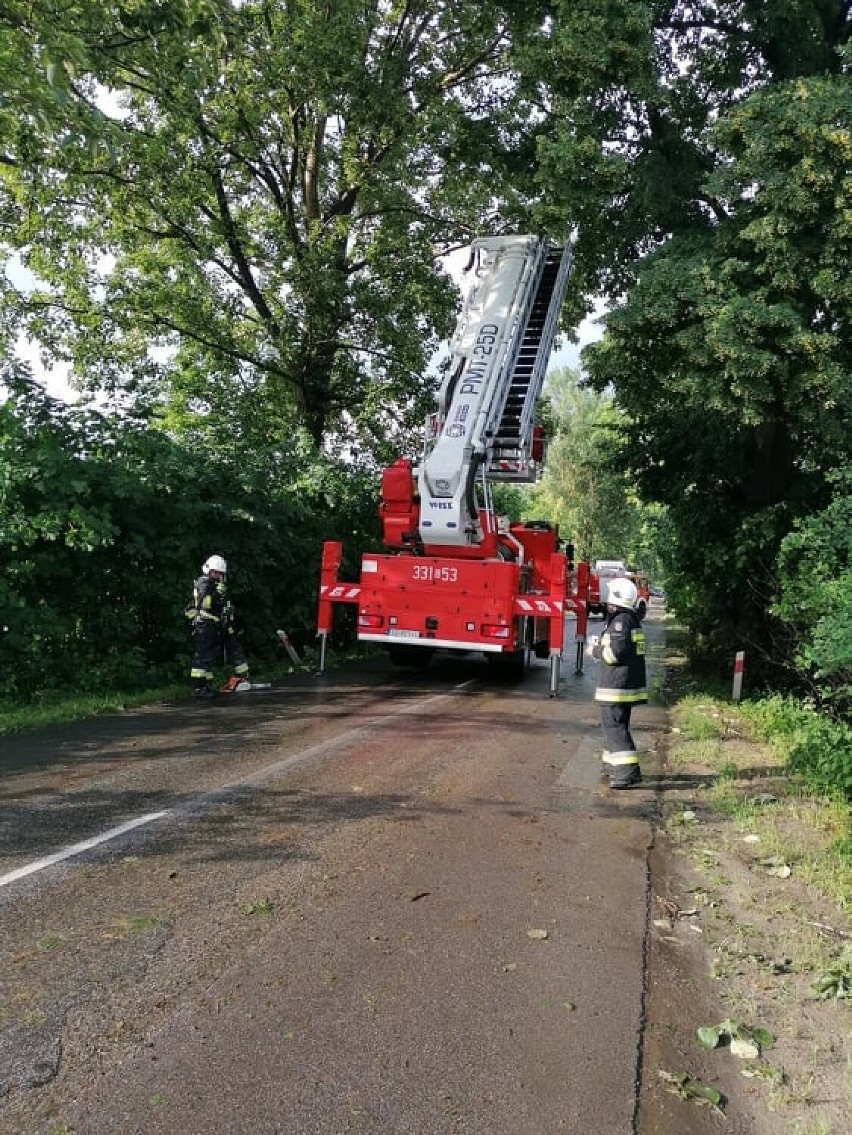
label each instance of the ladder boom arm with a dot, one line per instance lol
(499, 355)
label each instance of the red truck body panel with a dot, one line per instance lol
(461, 603)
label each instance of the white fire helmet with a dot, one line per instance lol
(622, 593)
(215, 563)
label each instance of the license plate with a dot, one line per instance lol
(397, 632)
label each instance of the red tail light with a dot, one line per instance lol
(370, 620)
(494, 630)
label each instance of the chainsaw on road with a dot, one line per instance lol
(238, 685)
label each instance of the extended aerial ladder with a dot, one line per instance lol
(484, 421)
(458, 576)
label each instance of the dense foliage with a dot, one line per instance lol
(634, 90)
(816, 747)
(104, 526)
(584, 488)
(815, 599)
(739, 329)
(707, 147)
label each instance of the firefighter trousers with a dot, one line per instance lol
(619, 749)
(213, 645)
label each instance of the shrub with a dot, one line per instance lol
(815, 598)
(822, 754)
(104, 524)
(816, 747)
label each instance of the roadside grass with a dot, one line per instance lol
(63, 706)
(774, 864)
(748, 782)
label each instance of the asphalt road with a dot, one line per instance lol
(374, 902)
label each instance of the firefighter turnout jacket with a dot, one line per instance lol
(210, 601)
(622, 679)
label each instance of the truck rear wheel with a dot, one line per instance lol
(511, 665)
(417, 657)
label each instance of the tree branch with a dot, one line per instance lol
(235, 246)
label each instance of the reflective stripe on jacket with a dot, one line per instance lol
(210, 599)
(622, 673)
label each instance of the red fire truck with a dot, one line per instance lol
(455, 575)
(605, 570)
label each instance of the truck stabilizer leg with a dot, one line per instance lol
(554, 673)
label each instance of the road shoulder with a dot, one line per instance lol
(738, 938)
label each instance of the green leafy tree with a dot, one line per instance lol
(41, 505)
(633, 91)
(584, 487)
(43, 47)
(260, 215)
(731, 357)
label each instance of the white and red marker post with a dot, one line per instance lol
(739, 665)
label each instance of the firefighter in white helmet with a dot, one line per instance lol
(621, 681)
(213, 634)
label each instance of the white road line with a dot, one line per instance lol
(78, 848)
(269, 772)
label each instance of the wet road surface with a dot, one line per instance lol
(376, 902)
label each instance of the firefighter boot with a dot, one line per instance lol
(625, 776)
(203, 692)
